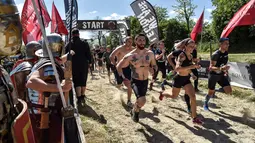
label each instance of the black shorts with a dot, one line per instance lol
(100, 63)
(217, 78)
(127, 74)
(162, 68)
(181, 81)
(139, 87)
(80, 77)
(108, 67)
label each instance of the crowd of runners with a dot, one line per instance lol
(133, 66)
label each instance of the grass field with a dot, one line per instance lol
(247, 57)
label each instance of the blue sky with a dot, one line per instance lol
(117, 9)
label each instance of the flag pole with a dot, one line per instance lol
(202, 29)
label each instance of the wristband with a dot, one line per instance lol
(191, 74)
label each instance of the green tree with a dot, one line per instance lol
(185, 9)
(174, 30)
(241, 38)
(162, 13)
(113, 39)
(135, 26)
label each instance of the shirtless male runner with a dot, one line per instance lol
(119, 53)
(139, 60)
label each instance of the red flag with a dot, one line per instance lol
(57, 25)
(198, 27)
(245, 16)
(30, 24)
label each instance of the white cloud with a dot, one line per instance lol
(194, 19)
(93, 12)
(209, 10)
(114, 16)
(171, 12)
(208, 20)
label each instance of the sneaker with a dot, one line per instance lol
(151, 84)
(161, 96)
(129, 104)
(188, 110)
(81, 99)
(134, 116)
(206, 107)
(162, 86)
(197, 121)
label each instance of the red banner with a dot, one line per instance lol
(30, 24)
(57, 24)
(244, 16)
(198, 27)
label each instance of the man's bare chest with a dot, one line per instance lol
(141, 60)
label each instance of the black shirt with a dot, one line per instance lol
(107, 57)
(194, 54)
(187, 61)
(220, 58)
(100, 55)
(82, 54)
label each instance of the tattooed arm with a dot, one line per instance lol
(124, 62)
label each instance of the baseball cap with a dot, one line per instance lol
(223, 39)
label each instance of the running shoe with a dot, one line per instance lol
(129, 104)
(197, 121)
(206, 107)
(134, 116)
(161, 96)
(188, 110)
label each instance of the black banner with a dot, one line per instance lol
(240, 74)
(147, 17)
(123, 28)
(68, 13)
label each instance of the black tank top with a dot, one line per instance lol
(186, 62)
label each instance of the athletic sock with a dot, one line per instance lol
(187, 100)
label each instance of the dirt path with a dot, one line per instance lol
(106, 118)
